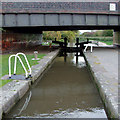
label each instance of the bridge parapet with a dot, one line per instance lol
(58, 6)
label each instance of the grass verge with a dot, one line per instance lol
(107, 40)
(20, 70)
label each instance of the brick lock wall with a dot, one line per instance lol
(13, 41)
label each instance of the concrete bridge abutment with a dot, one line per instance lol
(116, 38)
(39, 37)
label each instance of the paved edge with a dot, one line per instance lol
(110, 109)
(13, 91)
(38, 69)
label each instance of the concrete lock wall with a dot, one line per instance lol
(116, 38)
(40, 38)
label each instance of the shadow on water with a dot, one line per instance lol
(65, 91)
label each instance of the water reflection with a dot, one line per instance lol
(65, 91)
(78, 61)
(75, 114)
(69, 113)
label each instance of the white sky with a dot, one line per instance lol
(82, 31)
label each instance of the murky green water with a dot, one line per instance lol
(65, 91)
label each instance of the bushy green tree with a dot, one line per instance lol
(107, 33)
(70, 35)
(51, 35)
(88, 34)
(99, 33)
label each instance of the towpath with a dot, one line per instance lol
(104, 65)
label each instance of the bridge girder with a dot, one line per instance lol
(55, 21)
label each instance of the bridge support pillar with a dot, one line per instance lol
(39, 38)
(116, 38)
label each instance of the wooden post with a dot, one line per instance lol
(77, 42)
(65, 42)
(55, 39)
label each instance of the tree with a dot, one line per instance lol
(88, 34)
(51, 35)
(107, 33)
(99, 33)
(58, 35)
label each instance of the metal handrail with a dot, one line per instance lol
(26, 61)
(20, 62)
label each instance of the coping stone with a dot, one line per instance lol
(106, 81)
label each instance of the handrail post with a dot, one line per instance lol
(26, 62)
(23, 66)
(16, 56)
(10, 64)
(15, 63)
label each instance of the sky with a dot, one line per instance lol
(82, 31)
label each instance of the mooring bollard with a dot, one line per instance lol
(36, 56)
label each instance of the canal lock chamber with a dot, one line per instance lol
(66, 90)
